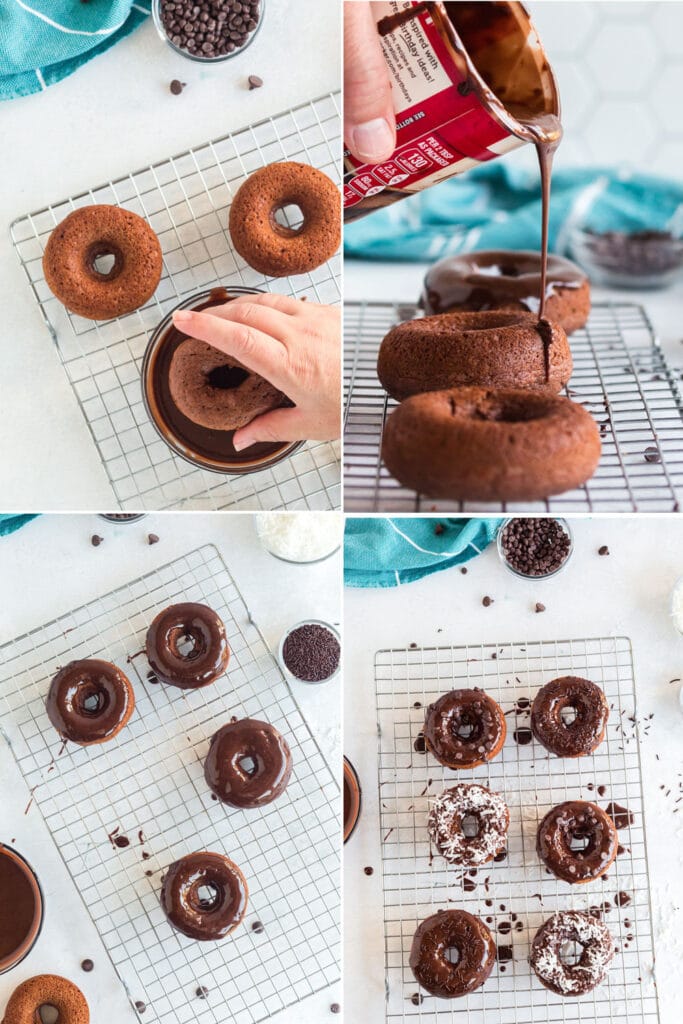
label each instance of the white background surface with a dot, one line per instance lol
(624, 594)
(113, 116)
(50, 567)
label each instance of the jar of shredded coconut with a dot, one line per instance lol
(301, 537)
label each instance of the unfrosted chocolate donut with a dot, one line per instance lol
(69, 262)
(492, 279)
(450, 814)
(90, 701)
(272, 248)
(47, 990)
(479, 444)
(571, 821)
(452, 930)
(202, 630)
(204, 896)
(216, 391)
(249, 763)
(597, 949)
(464, 728)
(588, 705)
(492, 350)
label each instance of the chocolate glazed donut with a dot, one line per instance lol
(89, 701)
(249, 764)
(464, 728)
(587, 704)
(202, 630)
(204, 896)
(452, 930)
(597, 949)
(577, 821)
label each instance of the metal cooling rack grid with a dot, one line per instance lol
(531, 782)
(186, 200)
(620, 375)
(150, 779)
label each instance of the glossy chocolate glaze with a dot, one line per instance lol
(184, 896)
(586, 732)
(208, 656)
(21, 908)
(452, 929)
(577, 819)
(89, 701)
(464, 728)
(597, 949)
(196, 441)
(352, 799)
(249, 763)
(493, 278)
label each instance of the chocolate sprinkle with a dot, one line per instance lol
(311, 653)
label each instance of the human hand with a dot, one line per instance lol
(295, 345)
(369, 120)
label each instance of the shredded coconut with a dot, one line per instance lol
(299, 536)
(446, 816)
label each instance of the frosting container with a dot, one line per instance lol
(21, 908)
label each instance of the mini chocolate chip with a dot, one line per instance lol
(604, 550)
(369, 871)
(463, 570)
(652, 454)
(417, 998)
(140, 1006)
(487, 601)
(540, 607)
(95, 540)
(438, 529)
(202, 992)
(335, 1008)
(255, 82)
(152, 538)
(177, 87)
(87, 965)
(257, 927)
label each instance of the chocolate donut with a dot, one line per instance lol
(450, 816)
(429, 954)
(198, 627)
(491, 279)
(597, 949)
(86, 235)
(249, 763)
(89, 701)
(585, 701)
(464, 729)
(216, 391)
(204, 896)
(572, 822)
(493, 350)
(272, 248)
(475, 444)
(47, 990)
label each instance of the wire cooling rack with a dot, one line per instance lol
(186, 200)
(620, 376)
(516, 895)
(148, 784)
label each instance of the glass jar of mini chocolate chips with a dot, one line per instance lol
(208, 31)
(535, 549)
(122, 517)
(310, 652)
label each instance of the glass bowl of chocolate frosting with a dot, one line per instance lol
(200, 445)
(21, 899)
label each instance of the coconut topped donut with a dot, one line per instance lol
(451, 815)
(493, 279)
(597, 949)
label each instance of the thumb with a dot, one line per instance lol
(278, 425)
(369, 121)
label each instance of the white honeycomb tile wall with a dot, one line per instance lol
(619, 65)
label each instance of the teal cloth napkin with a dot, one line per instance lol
(10, 523)
(499, 207)
(43, 41)
(386, 552)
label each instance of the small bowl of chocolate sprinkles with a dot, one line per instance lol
(310, 652)
(122, 517)
(535, 549)
(208, 31)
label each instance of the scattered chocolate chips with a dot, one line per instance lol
(209, 28)
(634, 253)
(87, 966)
(651, 454)
(604, 550)
(177, 87)
(152, 538)
(140, 1006)
(311, 653)
(257, 927)
(438, 529)
(369, 871)
(463, 570)
(417, 999)
(202, 992)
(535, 547)
(95, 540)
(254, 82)
(487, 601)
(539, 607)
(335, 1008)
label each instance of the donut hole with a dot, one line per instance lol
(185, 642)
(571, 953)
(579, 841)
(568, 715)
(104, 261)
(248, 765)
(48, 1014)
(287, 219)
(207, 896)
(470, 826)
(226, 377)
(452, 955)
(92, 700)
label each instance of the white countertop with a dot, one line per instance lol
(114, 115)
(54, 556)
(624, 594)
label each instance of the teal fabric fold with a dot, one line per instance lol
(386, 552)
(10, 523)
(499, 207)
(43, 41)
